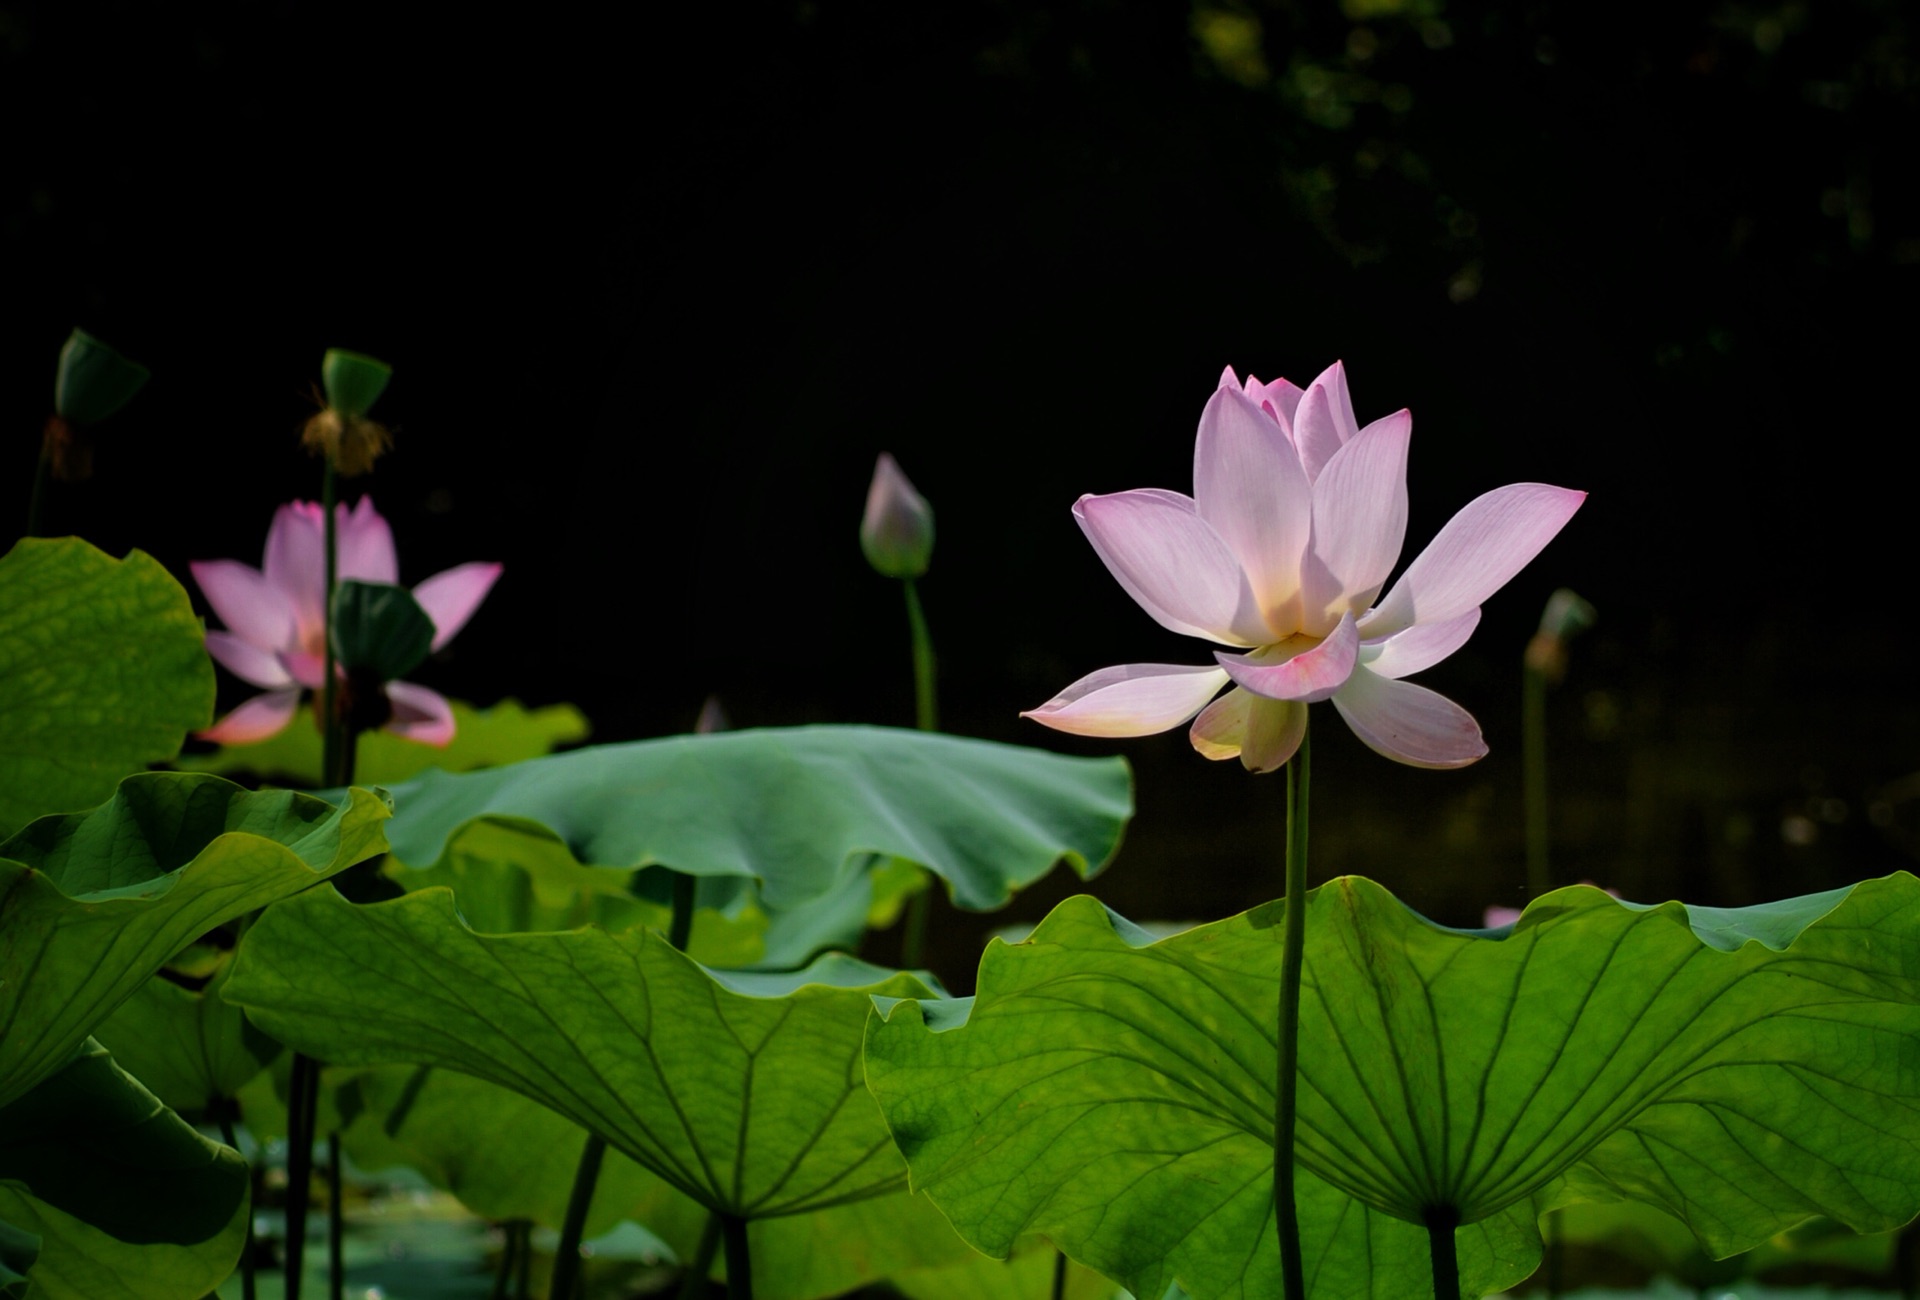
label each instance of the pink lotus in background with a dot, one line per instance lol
(274, 615)
(1296, 519)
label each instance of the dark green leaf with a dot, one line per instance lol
(93, 381)
(379, 630)
(103, 670)
(92, 904)
(191, 1047)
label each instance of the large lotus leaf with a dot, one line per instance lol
(92, 904)
(508, 880)
(18, 1249)
(127, 1198)
(191, 1047)
(507, 1157)
(797, 809)
(508, 732)
(1026, 1274)
(744, 1092)
(103, 670)
(1742, 1069)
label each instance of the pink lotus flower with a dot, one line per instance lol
(274, 614)
(1296, 520)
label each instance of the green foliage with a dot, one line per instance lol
(379, 629)
(743, 1091)
(102, 671)
(18, 1249)
(93, 381)
(129, 1201)
(801, 810)
(505, 733)
(507, 1157)
(191, 1047)
(1742, 1070)
(94, 903)
(353, 381)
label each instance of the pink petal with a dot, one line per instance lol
(296, 563)
(420, 714)
(1130, 700)
(1248, 485)
(247, 661)
(451, 597)
(258, 718)
(1483, 546)
(253, 609)
(1419, 647)
(1324, 422)
(1222, 726)
(1499, 916)
(307, 668)
(366, 545)
(1275, 729)
(1173, 564)
(1281, 397)
(1308, 676)
(1407, 723)
(1359, 521)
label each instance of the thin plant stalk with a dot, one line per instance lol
(523, 1277)
(1533, 767)
(504, 1273)
(225, 1109)
(926, 716)
(303, 1085)
(566, 1259)
(1286, 1081)
(330, 738)
(733, 1230)
(1059, 1274)
(1441, 1249)
(336, 1223)
(693, 1286)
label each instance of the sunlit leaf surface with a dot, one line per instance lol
(744, 1092)
(91, 904)
(103, 670)
(799, 810)
(1743, 1070)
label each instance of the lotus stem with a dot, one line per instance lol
(523, 1274)
(566, 1260)
(303, 1085)
(1059, 1274)
(1292, 943)
(223, 1107)
(330, 737)
(926, 716)
(1441, 1221)
(694, 1285)
(336, 1223)
(733, 1229)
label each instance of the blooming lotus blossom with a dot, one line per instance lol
(1295, 522)
(274, 616)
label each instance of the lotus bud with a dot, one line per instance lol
(341, 430)
(92, 382)
(897, 530)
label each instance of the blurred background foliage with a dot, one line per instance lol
(658, 285)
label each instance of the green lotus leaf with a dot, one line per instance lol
(1742, 1070)
(801, 810)
(507, 1157)
(507, 880)
(191, 1047)
(1026, 1274)
(103, 670)
(492, 737)
(742, 1091)
(128, 1200)
(92, 904)
(18, 1249)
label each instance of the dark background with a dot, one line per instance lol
(658, 288)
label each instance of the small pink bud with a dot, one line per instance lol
(897, 530)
